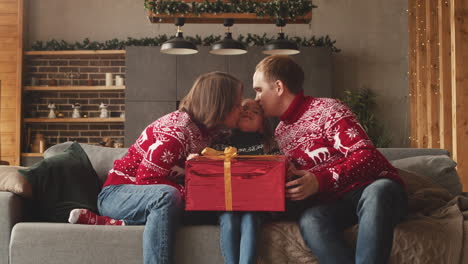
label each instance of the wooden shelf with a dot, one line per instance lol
(39, 155)
(74, 52)
(74, 120)
(74, 88)
(239, 18)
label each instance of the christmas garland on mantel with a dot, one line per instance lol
(115, 44)
(277, 8)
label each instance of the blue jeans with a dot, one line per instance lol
(377, 208)
(239, 233)
(155, 206)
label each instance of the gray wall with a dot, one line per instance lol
(156, 81)
(371, 33)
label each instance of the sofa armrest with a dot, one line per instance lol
(11, 212)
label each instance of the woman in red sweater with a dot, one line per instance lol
(142, 187)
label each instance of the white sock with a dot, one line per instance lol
(74, 215)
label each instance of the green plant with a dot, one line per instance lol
(277, 8)
(362, 103)
(116, 44)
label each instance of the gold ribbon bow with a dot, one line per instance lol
(227, 155)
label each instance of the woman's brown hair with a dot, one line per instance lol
(212, 97)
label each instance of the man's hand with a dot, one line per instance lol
(290, 172)
(303, 187)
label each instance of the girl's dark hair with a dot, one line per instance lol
(269, 142)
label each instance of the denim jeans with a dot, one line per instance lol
(239, 233)
(377, 208)
(155, 206)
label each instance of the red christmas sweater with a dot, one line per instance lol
(158, 155)
(323, 136)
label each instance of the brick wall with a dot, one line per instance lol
(84, 68)
(59, 67)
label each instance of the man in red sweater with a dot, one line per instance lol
(340, 176)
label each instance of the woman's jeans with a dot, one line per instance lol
(378, 208)
(239, 233)
(155, 206)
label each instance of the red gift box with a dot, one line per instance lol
(251, 183)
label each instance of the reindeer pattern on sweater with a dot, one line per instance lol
(159, 153)
(322, 135)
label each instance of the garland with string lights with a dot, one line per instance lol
(277, 8)
(115, 44)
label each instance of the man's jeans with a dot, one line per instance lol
(378, 208)
(239, 232)
(155, 206)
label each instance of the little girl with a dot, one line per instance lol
(240, 230)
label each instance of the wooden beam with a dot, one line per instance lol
(73, 52)
(432, 62)
(32, 154)
(445, 81)
(8, 30)
(74, 88)
(459, 37)
(19, 78)
(75, 120)
(8, 7)
(412, 77)
(8, 19)
(421, 73)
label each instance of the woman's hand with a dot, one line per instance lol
(302, 187)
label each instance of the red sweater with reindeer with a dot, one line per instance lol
(323, 136)
(158, 155)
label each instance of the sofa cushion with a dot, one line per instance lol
(401, 153)
(65, 243)
(101, 158)
(12, 181)
(61, 183)
(439, 168)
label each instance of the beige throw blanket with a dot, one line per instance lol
(433, 232)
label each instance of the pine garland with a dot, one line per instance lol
(278, 8)
(115, 44)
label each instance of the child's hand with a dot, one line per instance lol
(192, 155)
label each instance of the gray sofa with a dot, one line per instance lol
(23, 242)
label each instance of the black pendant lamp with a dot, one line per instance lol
(281, 46)
(228, 46)
(179, 45)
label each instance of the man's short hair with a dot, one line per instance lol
(283, 68)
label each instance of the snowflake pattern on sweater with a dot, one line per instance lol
(158, 155)
(322, 135)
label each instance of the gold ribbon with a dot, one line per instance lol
(227, 155)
